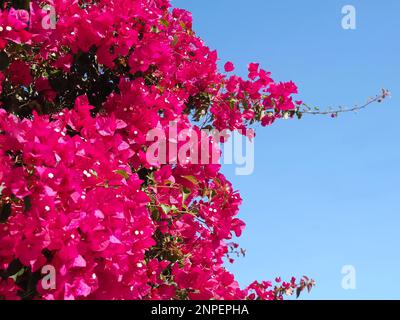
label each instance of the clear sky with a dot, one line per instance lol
(325, 192)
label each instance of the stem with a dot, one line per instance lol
(379, 98)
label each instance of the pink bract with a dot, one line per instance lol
(76, 190)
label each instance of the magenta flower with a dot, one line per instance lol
(229, 67)
(77, 191)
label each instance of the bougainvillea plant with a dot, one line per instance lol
(81, 83)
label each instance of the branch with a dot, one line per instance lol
(379, 98)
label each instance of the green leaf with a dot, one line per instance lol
(13, 268)
(122, 173)
(298, 291)
(166, 208)
(27, 203)
(4, 61)
(5, 212)
(18, 274)
(185, 195)
(299, 115)
(192, 179)
(155, 214)
(164, 22)
(175, 41)
(94, 173)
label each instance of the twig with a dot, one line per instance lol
(379, 98)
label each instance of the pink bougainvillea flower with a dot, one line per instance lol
(77, 191)
(253, 70)
(20, 73)
(229, 67)
(12, 26)
(44, 88)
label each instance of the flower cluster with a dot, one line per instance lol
(76, 189)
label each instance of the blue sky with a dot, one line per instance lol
(325, 192)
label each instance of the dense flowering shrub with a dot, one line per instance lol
(81, 83)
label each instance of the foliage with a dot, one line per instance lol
(77, 191)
